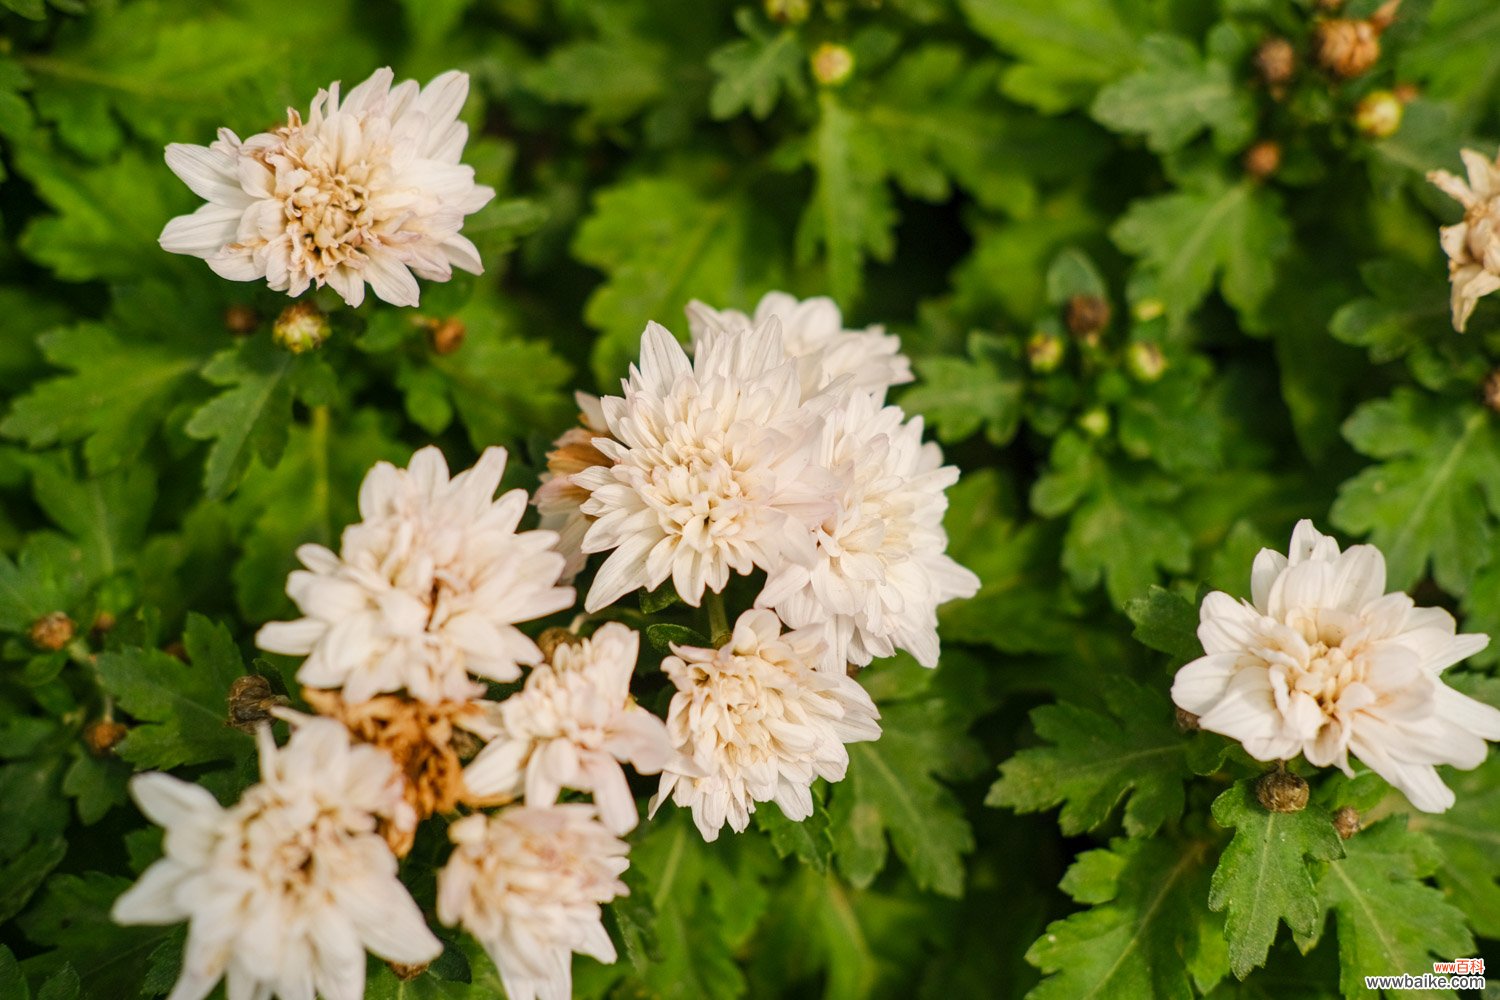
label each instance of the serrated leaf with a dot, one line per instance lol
(1064, 48)
(1431, 499)
(72, 918)
(1132, 753)
(494, 405)
(12, 982)
(754, 71)
(1263, 877)
(107, 514)
(181, 708)
(808, 840)
(1468, 840)
(1400, 312)
(1175, 95)
(383, 984)
(1167, 622)
(663, 635)
(49, 574)
(1147, 934)
(961, 396)
(22, 876)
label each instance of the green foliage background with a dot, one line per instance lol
(986, 161)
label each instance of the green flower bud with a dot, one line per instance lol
(1045, 351)
(1145, 361)
(300, 327)
(832, 64)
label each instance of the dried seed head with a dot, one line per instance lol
(241, 320)
(250, 702)
(1276, 63)
(1378, 114)
(446, 336)
(1491, 390)
(51, 632)
(1346, 822)
(551, 638)
(832, 64)
(788, 11)
(1282, 792)
(1145, 361)
(1263, 159)
(102, 735)
(300, 327)
(1087, 314)
(1186, 721)
(406, 973)
(1044, 351)
(1347, 48)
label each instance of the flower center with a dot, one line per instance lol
(1325, 674)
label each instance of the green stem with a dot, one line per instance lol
(718, 619)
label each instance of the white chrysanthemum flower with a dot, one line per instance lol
(1473, 245)
(528, 883)
(426, 590)
(557, 499)
(367, 190)
(285, 890)
(571, 726)
(1324, 663)
(761, 722)
(712, 470)
(882, 566)
(813, 333)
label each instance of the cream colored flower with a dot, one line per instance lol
(557, 499)
(369, 189)
(528, 883)
(572, 726)
(426, 590)
(1322, 662)
(713, 469)
(1473, 245)
(813, 334)
(882, 567)
(285, 890)
(760, 722)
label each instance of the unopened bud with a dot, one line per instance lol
(446, 336)
(101, 737)
(1095, 422)
(300, 327)
(788, 11)
(241, 320)
(1406, 92)
(406, 973)
(1282, 792)
(1491, 390)
(1263, 159)
(1044, 351)
(1186, 721)
(1276, 62)
(832, 64)
(250, 702)
(1087, 314)
(1378, 114)
(1347, 48)
(1346, 822)
(1147, 310)
(1145, 361)
(552, 638)
(51, 632)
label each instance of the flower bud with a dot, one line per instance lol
(102, 736)
(1087, 314)
(1282, 792)
(446, 336)
(1147, 310)
(51, 632)
(832, 64)
(241, 320)
(1145, 361)
(1347, 48)
(551, 638)
(1186, 721)
(1044, 351)
(1095, 422)
(1276, 63)
(788, 11)
(300, 327)
(1262, 159)
(1378, 114)
(406, 973)
(1346, 822)
(250, 702)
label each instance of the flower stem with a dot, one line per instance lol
(718, 620)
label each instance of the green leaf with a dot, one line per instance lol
(181, 707)
(1097, 759)
(1064, 49)
(1389, 921)
(1454, 56)
(959, 396)
(1232, 234)
(1175, 95)
(63, 985)
(22, 876)
(48, 575)
(809, 840)
(96, 785)
(72, 918)
(12, 982)
(850, 215)
(1263, 876)
(1118, 530)
(1405, 307)
(754, 71)
(1468, 840)
(114, 400)
(1431, 498)
(384, 985)
(1146, 934)
(662, 636)
(1167, 622)
(106, 513)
